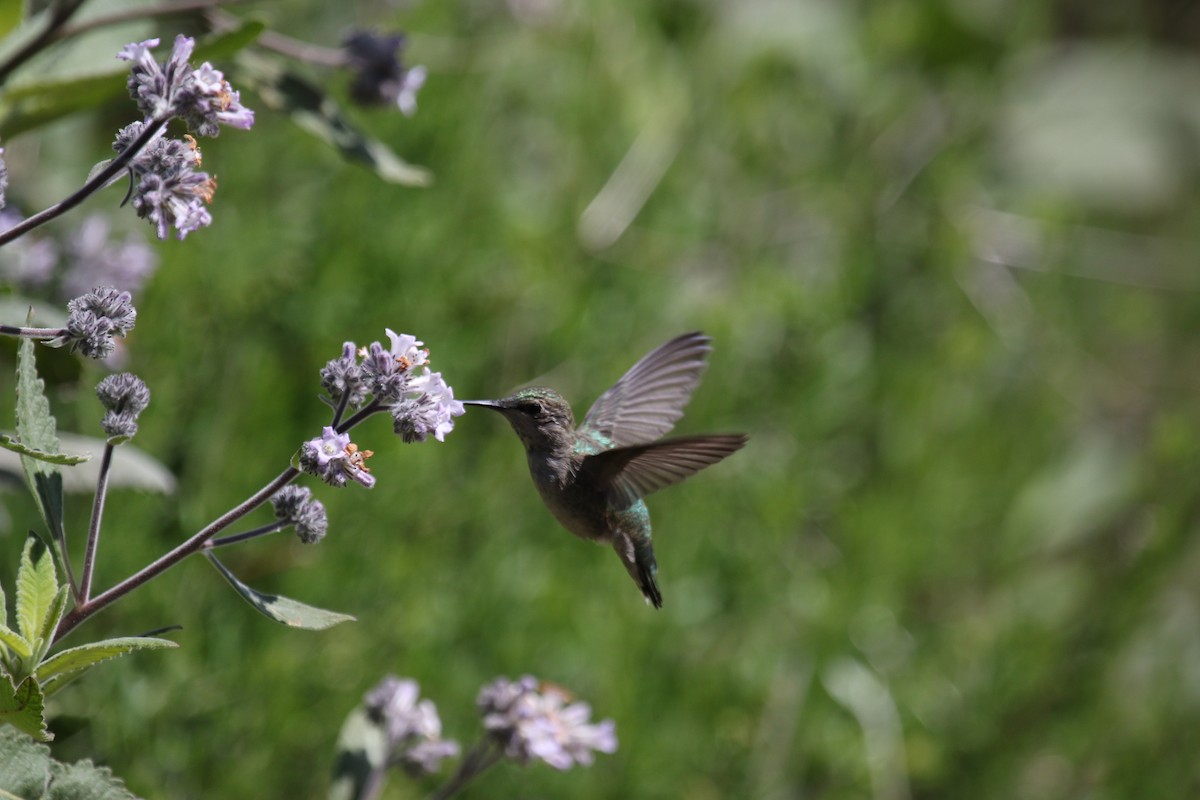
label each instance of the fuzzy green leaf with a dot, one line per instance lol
(282, 609)
(16, 642)
(24, 765)
(36, 429)
(60, 668)
(54, 613)
(23, 707)
(37, 587)
(27, 771)
(65, 459)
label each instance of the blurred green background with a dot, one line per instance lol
(948, 252)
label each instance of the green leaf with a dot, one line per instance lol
(282, 609)
(23, 707)
(36, 429)
(83, 780)
(131, 468)
(53, 614)
(362, 752)
(229, 43)
(60, 668)
(33, 104)
(24, 765)
(27, 771)
(317, 113)
(65, 459)
(16, 642)
(37, 587)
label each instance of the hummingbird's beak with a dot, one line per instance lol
(483, 403)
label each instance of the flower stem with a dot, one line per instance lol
(482, 757)
(32, 333)
(373, 407)
(278, 525)
(153, 126)
(93, 540)
(192, 545)
(166, 9)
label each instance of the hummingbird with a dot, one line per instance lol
(593, 478)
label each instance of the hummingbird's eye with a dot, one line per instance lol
(531, 407)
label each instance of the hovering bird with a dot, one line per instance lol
(593, 478)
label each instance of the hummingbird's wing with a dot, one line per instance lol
(629, 473)
(648, 399)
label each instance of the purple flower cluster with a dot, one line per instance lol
(168, 189)
(200, 97)
(533, 721)
(413, 728)
(398, 378)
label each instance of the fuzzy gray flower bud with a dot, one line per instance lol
(93, 320)
(124, 396)
(296, 506)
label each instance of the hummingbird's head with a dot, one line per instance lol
(540, 416)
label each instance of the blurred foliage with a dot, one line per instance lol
(948, 253)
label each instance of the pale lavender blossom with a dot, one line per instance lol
(200, 97)
(532, 721)
(333, 458)
(3, 180)
(406, 98)
(428, 408)
(29, 261)
(295, 506)
(412, 726)
(95, 259)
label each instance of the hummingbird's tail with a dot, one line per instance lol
(643, 570)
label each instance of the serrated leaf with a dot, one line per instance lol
(50, 624)
(36, 429)
(362, 751)
(24, 765)
(63, 459)
(16, 642)
(314, 111)
(37, 587)
(27, 771)
(57, 670)
(83, 780)
(282, 609)
(23, 707)
(131, 467)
